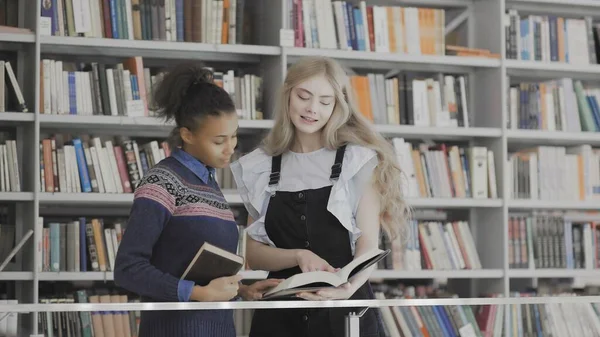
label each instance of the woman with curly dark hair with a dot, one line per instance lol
(178, 206)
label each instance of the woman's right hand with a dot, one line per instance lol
(219, 289)
(309, 261)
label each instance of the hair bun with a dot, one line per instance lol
(203, 75)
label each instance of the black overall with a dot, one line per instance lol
(300, 220)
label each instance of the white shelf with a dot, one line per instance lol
(76, 276)
(106, 199)
(453, 203)
(17, 37)
(409, 131)
(232, 196)
(555, 7)
(438, 274)
(569, 3)
(527, 204)
(259, 275)
(553, 273)
(16, 276)
(133, 126)
(152, 125)
(16, 117)
(16, 196)
(113, 121)
(155, 49)
(541, 69)
(423, 3)
(552, 137)
(380, 60)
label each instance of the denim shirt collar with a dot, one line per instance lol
(200, 170)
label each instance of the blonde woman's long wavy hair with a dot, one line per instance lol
(346, 126)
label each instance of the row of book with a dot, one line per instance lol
(208, 21)
(556, 105)
(446, 171)
(357, 26)
(551, 38)
(434, 320)
(127, 89)
(552, 319)
(412, 99)
(86, 244)
(86, 323)
(548, 240)
(555, 173)
(83, 165)
(10, 179)
(432, 245)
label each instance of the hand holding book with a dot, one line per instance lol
(217, 290)
(309, 261)
(336, 283)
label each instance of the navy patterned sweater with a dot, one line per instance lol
(177, 207)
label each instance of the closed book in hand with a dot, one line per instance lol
(212, 262)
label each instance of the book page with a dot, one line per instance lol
(360, 263)
(308, 281)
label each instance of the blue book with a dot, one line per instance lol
(84, 177)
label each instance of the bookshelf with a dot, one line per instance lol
(478, 24)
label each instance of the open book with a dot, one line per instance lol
(316, 280)
(212, 262)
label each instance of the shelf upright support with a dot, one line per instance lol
(352, 323)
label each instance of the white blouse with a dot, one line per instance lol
(301, 171)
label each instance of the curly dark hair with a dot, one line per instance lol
(187, 94)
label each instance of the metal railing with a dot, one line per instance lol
(352, 320)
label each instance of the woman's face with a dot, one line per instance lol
(214, 141)
(311, 104)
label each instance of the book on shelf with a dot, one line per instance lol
(206, 21)
(85, 244)
(361, 26)
(316, 280)
(212, 262)
(84, 164)
(88, 323)
(432, 245)
(556, 105)
(552, 38)
(410, 98)
(556, 319)
(473, 52)
(436, 320)
(446, 171)
(10, 178)
(126, 88)
(560, 173)
(11, 100)
(542, 240)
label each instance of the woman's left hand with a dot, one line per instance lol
(256, 290)
(342, 292)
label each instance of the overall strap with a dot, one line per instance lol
(336, 169)
(275, 169)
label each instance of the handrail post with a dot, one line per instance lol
(352, 323)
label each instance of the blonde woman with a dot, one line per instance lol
(318, 192)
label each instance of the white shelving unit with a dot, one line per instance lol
(483, 24)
